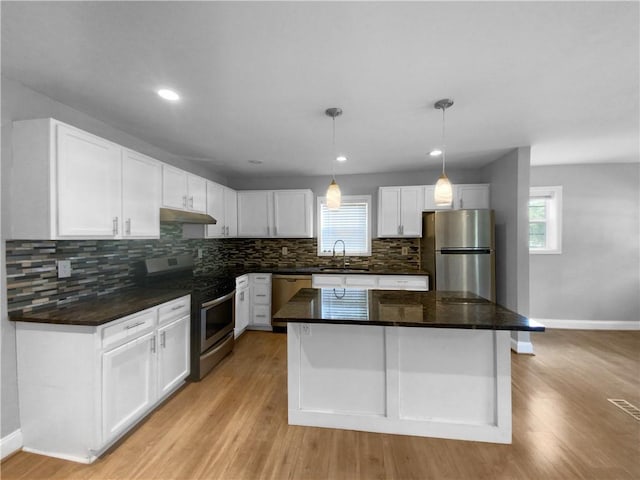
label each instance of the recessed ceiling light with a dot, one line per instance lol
(341, 158)
(168, 94)
(436, 152)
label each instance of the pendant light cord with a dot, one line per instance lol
(444, 148)
(333, 160)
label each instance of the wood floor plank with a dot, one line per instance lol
(233, 425)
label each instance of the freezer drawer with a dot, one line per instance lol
(470, 272)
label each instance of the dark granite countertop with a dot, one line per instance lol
(103, 309)
(329, 270)
(433, 309)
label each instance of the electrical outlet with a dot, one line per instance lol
(285, 251)
(306, 329)
(405, 250)
(199, 253)
(64, 268)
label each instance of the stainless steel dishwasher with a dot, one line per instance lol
(283, 287)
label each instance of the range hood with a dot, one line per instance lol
(170, 215)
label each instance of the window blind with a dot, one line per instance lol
(350, 223)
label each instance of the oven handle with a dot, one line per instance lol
(217, 301)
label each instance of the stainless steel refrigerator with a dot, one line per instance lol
(458, 251)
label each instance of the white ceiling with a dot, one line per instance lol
(256, 77)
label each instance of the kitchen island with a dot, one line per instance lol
(433, 364)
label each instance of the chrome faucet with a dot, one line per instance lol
(344, 252)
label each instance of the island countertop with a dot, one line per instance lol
(432, 309)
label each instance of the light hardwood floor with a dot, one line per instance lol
(233, 425)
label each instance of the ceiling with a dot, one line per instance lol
(256, 78)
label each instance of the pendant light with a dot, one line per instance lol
(333, 192)
(443, 193)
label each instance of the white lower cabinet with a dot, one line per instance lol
(128, 375)
(82, 387)
(243, 305)
(260, 288)
(371, 282)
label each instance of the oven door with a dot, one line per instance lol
(216, 319)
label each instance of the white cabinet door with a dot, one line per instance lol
(196, 193)
(243, 310)
(292, 213)
(141, 195)
(411, 203)
(216, 208)
(231, 212)
(429, 202)
(88, 185)
(472, 196)
(128, 379)
(389, 211)
(254, 213)
(173, 355)
(174, 188)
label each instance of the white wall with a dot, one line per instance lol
(509, 179)
(597, 275)
(22, 103)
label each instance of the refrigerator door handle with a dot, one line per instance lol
(464, 251)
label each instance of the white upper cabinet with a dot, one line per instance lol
(222, 205)
(141, 180)
(254, 212)
(182, 190)
(275, 213)
(65, 183)
(292, 213)
(400, 211)
(472, 195)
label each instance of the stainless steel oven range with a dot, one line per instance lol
(212, 307)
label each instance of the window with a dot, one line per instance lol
(545, 220)
(350, 223)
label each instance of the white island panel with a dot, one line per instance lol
(351, 379)
(432, 382)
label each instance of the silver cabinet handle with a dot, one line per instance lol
(227, 231)
(177, 307)
(402, 229)
(260, 295)
(128, 226)
(261, 316)
(398, 229)
(153, 344)
(242, 296)
(268, 231)
(134, 325)
(115, 225)
(163, 339)
(191, 201)
(275, 231)
(184, 200)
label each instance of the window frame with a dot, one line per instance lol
(553, 221)
(345, 199)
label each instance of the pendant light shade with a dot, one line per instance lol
(443, 193)
(333, 196)
(333, 192)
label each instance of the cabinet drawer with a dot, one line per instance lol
(128, 327)
(319, 281)
(403, 282)
(261, 294)
(174, 309)
(364, 281)
(262, 278)
(261, 315)
(242, 282)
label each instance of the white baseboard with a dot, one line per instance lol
(519, 346)
(11, 443)
(589, 324)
